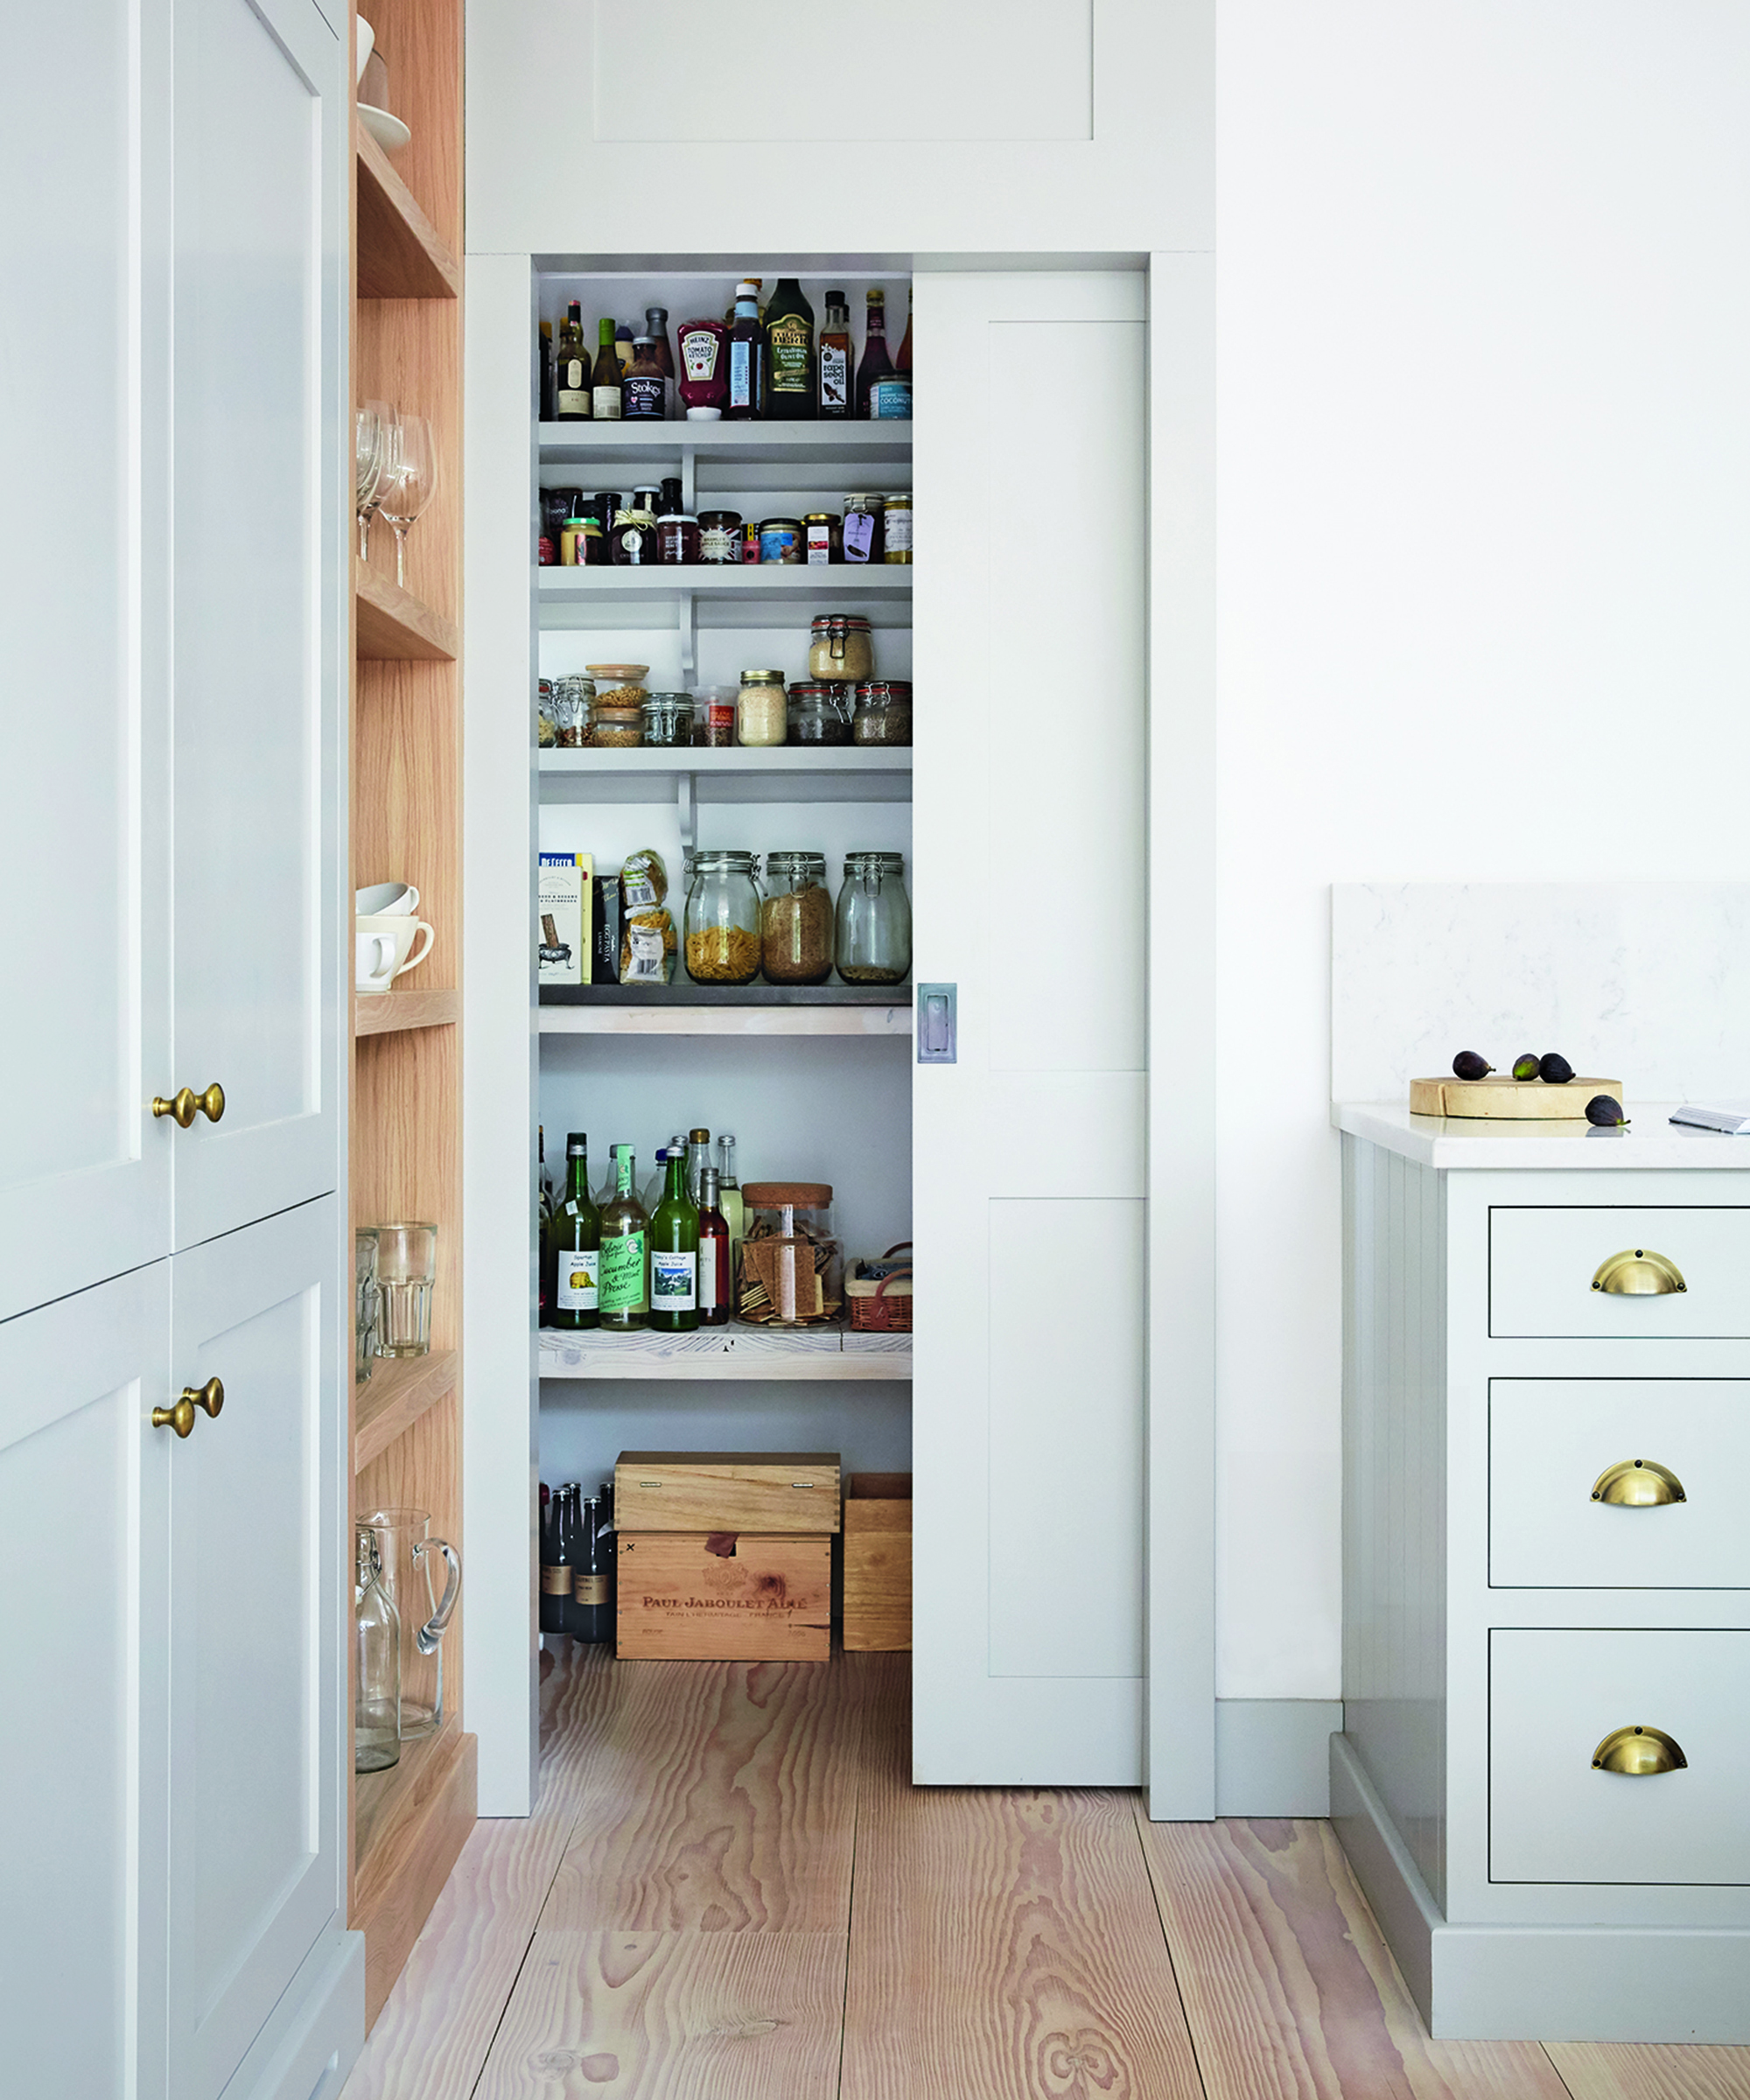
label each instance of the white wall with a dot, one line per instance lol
(1484, 526)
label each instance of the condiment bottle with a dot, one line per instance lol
(605, 380)
(656, 322)
(746, 401)
(703, 383)
(875, 361)
(832, 382)
(790, 355)
(644, 389)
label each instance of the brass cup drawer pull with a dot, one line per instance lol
(182, 1105)
(209, 1397)
(1638, 1272)
(1638, 1484)
(1639, 1754)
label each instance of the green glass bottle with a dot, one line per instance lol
(674, 1253)
(574, 1236)
(624, 1306)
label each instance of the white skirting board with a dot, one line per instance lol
(313, 2035)
(1273, 1756)
(1514, 1982)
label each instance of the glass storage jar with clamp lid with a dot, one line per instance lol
(723, 918)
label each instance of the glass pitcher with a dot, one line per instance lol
(376, 1678)
(404, 1549)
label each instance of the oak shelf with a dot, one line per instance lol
(402, 255)
(399, 1390)
(392, 624)
(384, 1012)
(731, 1352)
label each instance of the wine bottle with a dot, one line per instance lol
(605, 379)
(729, 1189)
(832, 386)
(790, 353)
(543, 1221)
(624, 1302)
(571, 401)
(746, 401)
(675, 1254)
(575, 1237)
(699, 1158)
(902, 357)
(590, 1616)
(715, 1280)
(544, 352)
(876, 362)
(556, 1568)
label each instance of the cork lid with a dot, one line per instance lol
(773, 1196)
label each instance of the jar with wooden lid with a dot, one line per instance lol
(789, 1266)
(617, 728)
(723, 918)
(761, 708)
(872, 929)
(863, 529)
(841, 647)
(795, 919)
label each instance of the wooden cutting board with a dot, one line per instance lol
(1513, 1100)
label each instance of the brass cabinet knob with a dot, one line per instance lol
(210, 1397)
(186, 1101)
(1639, 1754)
(1638, 1272)
(1638, 1484)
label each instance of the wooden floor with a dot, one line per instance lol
(730, 1891)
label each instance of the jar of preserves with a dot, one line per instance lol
(723, 918)
(677, 540)
(817, 714)
(633, 542)
(884, 712)
(873, 930)
(865, 540)
(789, 1267)
(898, 521)
(719, 537)
(795, 919)
(573, 698)
(824, 539)
(714, 716)
(781, 540)
(759, 708)
(669, 720)
(546, 723)
(841, 648)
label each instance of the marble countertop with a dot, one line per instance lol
(1650, 1139)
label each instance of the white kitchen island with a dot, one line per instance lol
(1530, 1310)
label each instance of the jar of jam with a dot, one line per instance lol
(824, 539)
(884, 712)
(634, 543)
(864, 537)
(719, 537)
(841, 648)
(781, 540)
(669, 720)
(817, 714)
(760, 708)
(714, 716)
(677, 540)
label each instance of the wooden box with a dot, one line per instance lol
(775, 1491)
(877, 1561)
(754, 1600)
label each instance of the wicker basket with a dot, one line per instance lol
(881, 1302)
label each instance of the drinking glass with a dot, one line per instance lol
(370, 460)
(409, 483)
(407, 1263)
(405, 1552)
(366, 1302)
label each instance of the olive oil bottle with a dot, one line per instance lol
(790, 354)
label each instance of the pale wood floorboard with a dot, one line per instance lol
(1595, 2070)
(1291, 1991)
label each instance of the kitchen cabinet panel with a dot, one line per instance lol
(1542, 1263)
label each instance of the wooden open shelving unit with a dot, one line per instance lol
(407, 1825)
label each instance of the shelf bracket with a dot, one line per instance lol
(687, 800)
(689, 621)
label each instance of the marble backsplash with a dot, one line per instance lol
(1647, 983)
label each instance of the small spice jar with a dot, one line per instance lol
(678, 539)
(864, 539)
(572, 700)
(872, 927)
(781, 540)
(824, 539)
(884, 712)
(723, 918)
(617, 728)
(546, 723)
(841, 647)
(714, 716)
(760, 708)
(669, 720)
(719, 537)
(789, 1267)
(795, 919)
(898, 522)
(817, 714)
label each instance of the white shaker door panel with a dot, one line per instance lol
(84, 1170)
(1029, 880)
(83, 1480)
(254, 1564)
(257, 612)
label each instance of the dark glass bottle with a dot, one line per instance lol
(790, 354)
(556, 1567)
(605, 380)
(902, 356)
(675, 1254)
(644, 391)
(591, 1617)
(575, 1238)
(714, 1269)
(543, 352)
(623, 347)
(543, 1224)
(876, 362)
(832, 379)
(607, 1532)
(571, 375)
(746, 349)
(657, 325)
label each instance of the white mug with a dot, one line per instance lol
(385, 949)
(386, 901)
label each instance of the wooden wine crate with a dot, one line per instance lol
(877, 1561)
(752, 1600)
(775, 1491)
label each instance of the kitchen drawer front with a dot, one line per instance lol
(1554, 1696)
(1551, 1440)
(1542, 1261)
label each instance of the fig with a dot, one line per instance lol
(1468, 1064)
(1606, 1110)
(1554, 1069)
(1527, 1067)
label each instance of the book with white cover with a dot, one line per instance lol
(1731, 1118)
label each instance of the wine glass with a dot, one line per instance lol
(409, 483)
(370, 450)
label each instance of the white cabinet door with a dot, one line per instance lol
(254, 1722)
(1029, 874)
(84, 1171)
(82, 1561)
(258, 627)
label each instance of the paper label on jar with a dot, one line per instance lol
(820, 545)
(673, 1282)
(622, 1272)
(642, 398)
(606, 404)
(898, 531)
(719, 543)
(577, 1268)
(859, 536)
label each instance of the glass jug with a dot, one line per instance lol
(376, 1678)
(404, 1549)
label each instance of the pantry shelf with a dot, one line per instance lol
(402, 255)
(731, 1352)
(390, 625)
(399, 1390)
(887, 443)
(711, 597)
(788, 773)
(709, 1010)
(385, 1012)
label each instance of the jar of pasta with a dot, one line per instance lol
(723, 918)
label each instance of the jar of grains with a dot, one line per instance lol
(884, 712)
(795, 919)
(669, 720)
(841, 647)
(759, 708)
(722, 919)
(719, 536)
(714, 716)
(617, 728)
(863, 533)
(572, 698)
(873, 928)
(817, 714)
(546, 726)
